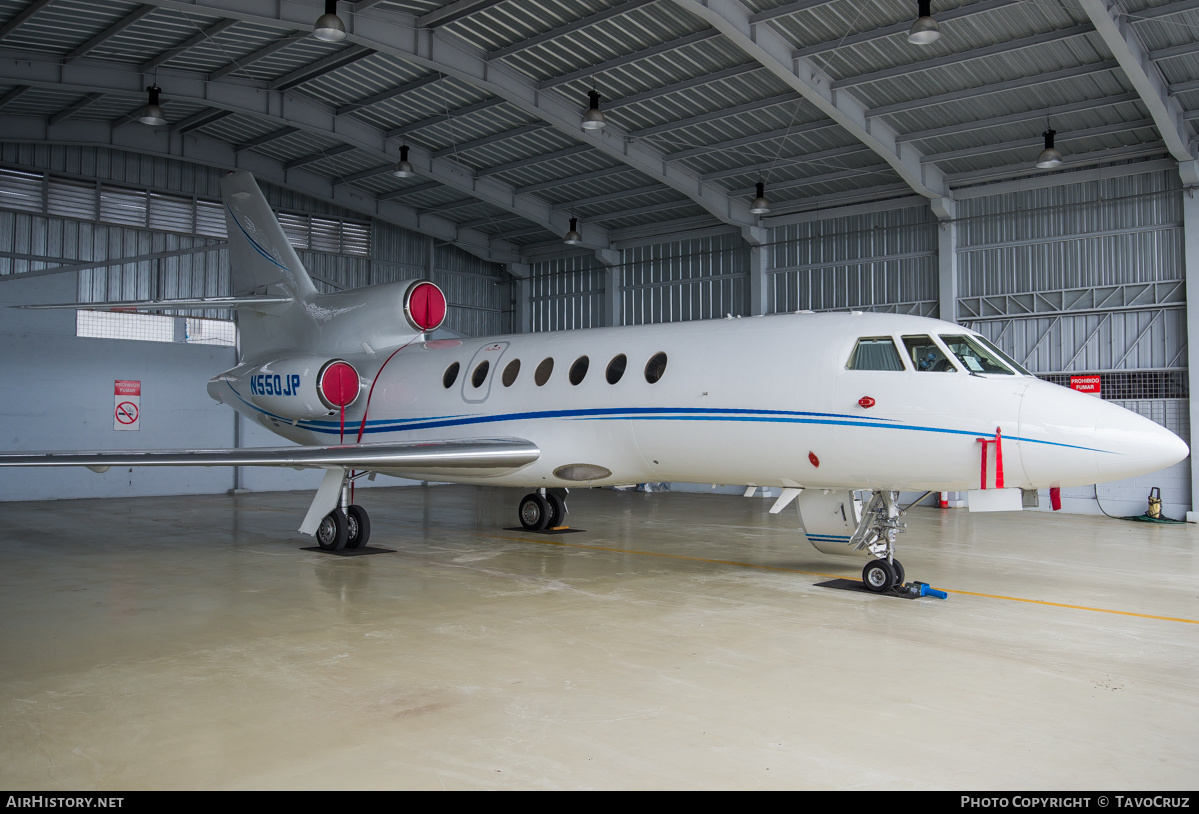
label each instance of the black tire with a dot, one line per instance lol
(534, 512)
(557, 510)
(900, 576)
(332, 533)
(358, 530)
(878, 576)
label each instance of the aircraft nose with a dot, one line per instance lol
(1129, 444)
(1074, 439)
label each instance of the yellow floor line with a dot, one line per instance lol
(836, 576)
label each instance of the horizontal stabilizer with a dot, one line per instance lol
(486, 454)
(265, 304)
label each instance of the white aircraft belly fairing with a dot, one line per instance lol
(822, 405)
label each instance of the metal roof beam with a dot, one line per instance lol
(633, 56)
(609, 196)
(1126, 46)
(1162, 11)
(753, 138)
(261, 53)
(535, 159)
(22, 16)
(329, 64)
(965, 56)
(443, 16)
(824, 178)
(568, 28)
(442, 118)
(716, 115)
(266, 138)
(13, 94)
(190, 42)
(770, 164)
(686, 84)
(582, 178)
(312, 158)
(1068, 162)
(390, 93)
(998, 87)
(640, 210)
(428, 186)
(1022, 116)
(116, 28)
(86, 101)
(362, 175)
(494, 138)
(198, 120)
(765, 45)
(787, 10)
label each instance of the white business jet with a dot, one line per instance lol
(828, 406)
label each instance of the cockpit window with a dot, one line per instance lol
(974, 357)
(875, 353)
(1007, 360)
(926, 356)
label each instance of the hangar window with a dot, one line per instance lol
(451, 375)
(875, 353)
(511, 372)
(655, 367)
(579, 369)
(542, 374)
(616, 368)
(480, 375)
(974, 356)
(926, 355)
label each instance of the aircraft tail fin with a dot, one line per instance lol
(261, 260)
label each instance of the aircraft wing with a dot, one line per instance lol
(480, 456)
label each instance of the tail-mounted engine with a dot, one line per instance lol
(299, 388)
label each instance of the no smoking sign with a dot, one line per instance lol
(127, 414)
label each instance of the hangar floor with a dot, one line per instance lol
(681, 641)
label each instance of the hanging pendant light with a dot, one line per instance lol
(404, 169)
(759, 205)
(152, 113)
(925, 30)
(573, 238)
(593, 119)
(329, 26)
(1050, 157)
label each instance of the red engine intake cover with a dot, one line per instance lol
(425, 306)
(339, 384)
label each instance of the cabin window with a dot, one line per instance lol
(451, 375)
(579, 369)
(655, 367)
(616, 368)
(926, 355)
(542, 374)
(511, 372)
(973, 356)
(480, 375)
(875, 353)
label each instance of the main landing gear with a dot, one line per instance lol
(347, 526)
(542, 510)
(881, 525)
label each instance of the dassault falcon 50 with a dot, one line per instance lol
(839, 410)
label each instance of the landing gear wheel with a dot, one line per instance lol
(900, 576)
(358, 527)
(332, 533)
(878, 576)
(534, 512)
(557, 510)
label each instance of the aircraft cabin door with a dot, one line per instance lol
(482, 370)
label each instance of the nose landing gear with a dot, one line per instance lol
(542, 510)
(880, 526)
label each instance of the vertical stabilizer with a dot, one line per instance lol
(262, 262)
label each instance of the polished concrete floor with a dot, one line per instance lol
(681, 642)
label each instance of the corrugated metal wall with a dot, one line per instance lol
(878, 261)
(701, 278)
(567, 293)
